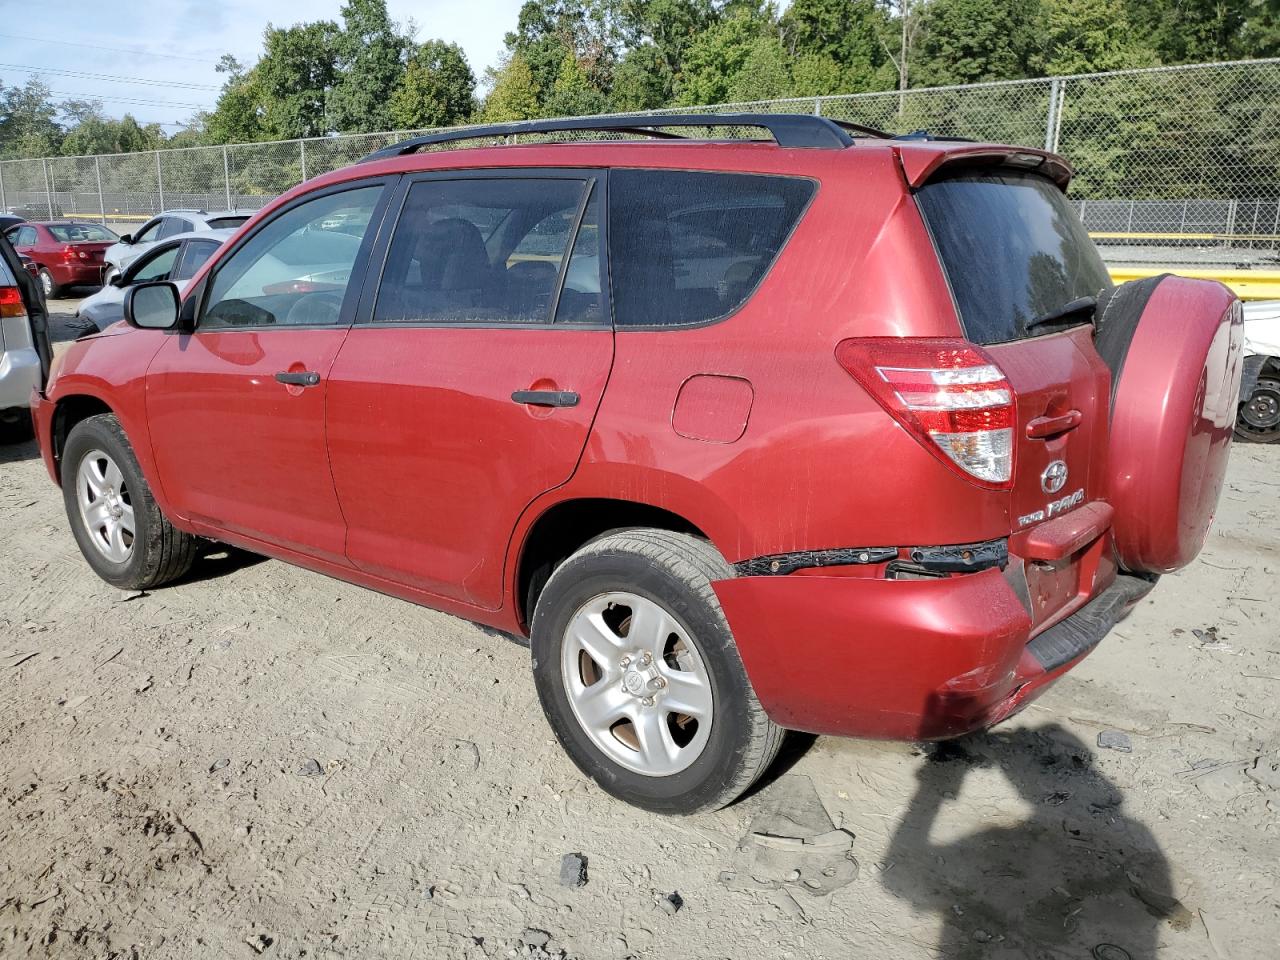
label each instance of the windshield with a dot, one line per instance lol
(82, 233)
(1013, 251)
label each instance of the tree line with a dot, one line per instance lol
(368, 73)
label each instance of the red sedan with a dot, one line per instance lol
(66, 253)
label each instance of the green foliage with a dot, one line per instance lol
(239, 116)
(1084, 36)
(643, 80)
(968, 41)
(370, 60)
(573, 93)
(28, 125)
(298, 66)
(765, 73)
(512, 94)
(714, 59)
(437, 88)
(91, 132)
(841, 41)
(549, 30)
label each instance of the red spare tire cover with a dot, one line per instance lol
(1175, 348)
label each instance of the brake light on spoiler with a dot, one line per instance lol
(948, 394)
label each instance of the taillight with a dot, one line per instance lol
(948, 393)
(11, 304)
(69, 252)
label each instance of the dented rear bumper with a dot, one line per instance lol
(912, 659)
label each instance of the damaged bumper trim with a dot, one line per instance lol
(954, 558)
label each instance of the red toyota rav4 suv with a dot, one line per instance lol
(833, 431)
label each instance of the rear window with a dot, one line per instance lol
(1013, 250)
(226, 223)
(82, 233)
(687, 248)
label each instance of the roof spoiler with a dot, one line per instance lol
(920, 166)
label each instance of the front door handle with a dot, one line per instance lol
(546, 398)
(303, 378)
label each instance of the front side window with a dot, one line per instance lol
(148, 233)
(688, 247)
(479, 251)
(26, 237)
(295, 270)
(157, 267)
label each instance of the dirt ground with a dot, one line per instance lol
(263, 761)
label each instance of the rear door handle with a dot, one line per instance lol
(546, 398)
(303, 378)
(1040, 427)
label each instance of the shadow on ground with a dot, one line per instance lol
(1077, 877)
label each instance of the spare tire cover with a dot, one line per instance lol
(1175, 348)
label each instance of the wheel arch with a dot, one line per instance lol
(567, 525)
(68, 411)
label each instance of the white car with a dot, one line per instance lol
(1259, 416)
(177, 259)
(167, 225)
(25, 353)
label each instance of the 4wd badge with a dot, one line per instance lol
(1054, 477)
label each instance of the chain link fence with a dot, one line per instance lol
(1172, 163)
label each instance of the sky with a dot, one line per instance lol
(167, 49)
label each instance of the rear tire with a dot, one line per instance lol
(613, 709)
(51, 290)
(1259, 416)
(116, 520)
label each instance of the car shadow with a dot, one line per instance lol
(17, 452)
(795, 745)
(1077, 876)
(219, 560)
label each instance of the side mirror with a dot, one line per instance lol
(126, 238)
(116, 281)
(152, 306)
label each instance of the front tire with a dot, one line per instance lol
(51, 289)
(114, 517)
(639, 676)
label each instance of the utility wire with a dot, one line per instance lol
(109, 78)
(135, 100)
(96, 46)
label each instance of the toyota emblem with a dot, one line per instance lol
(1054, 477)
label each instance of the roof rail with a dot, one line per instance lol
(788, 129)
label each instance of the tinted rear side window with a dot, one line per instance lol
(1012, 249)
(689, 247)
(224, 223)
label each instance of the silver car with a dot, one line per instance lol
(177, 259)
(24, 345)
(167, 225)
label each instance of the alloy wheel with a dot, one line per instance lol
(105, 506)
(637, 684)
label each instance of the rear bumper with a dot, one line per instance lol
(19, 374)
(905, 659)
(77, 274)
